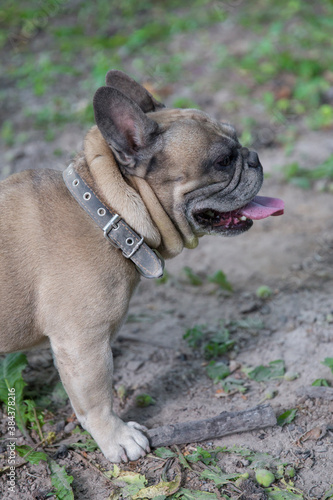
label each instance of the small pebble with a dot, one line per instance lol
(69, 427)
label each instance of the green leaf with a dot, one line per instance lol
(260, 460)
(185, 494)
(193, 278)
(11, 368)
(278, 494)
(113, 473)
(217, 370)
(34, 457)
(85, 441)
(219, 278)
(239, 450)
(133, 483)
(32, 414)
(321, 382)
(251, 324)
(220, 478)
(328, 362)
(218, 344)
(195, 335)
(88, 445)
(275, 369)
(166, 488)
(12, 383)
(201, 455)
(287, 417)
(144, 400)
(231, 384)
(164, 452)
(183, 461)
(61, 481)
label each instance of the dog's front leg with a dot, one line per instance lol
(86, 368)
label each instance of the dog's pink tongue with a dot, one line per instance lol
(261, 207)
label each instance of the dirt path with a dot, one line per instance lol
(290, 254)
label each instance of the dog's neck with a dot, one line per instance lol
(171, 241)
(133, 199)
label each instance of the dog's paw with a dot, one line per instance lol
(129, 443)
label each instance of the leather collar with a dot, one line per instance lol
(147, 261)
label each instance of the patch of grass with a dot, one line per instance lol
(86, 442)
(287, 59)
(192, 277)
(28, 453)
(195, 335)
(291, 47)
(91, 40)
(304, 178)
(220, 279)
(209, 469)
(274, 370)
(213, 341)
(7, 133)
(21, 411)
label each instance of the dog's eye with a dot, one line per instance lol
(223, 162)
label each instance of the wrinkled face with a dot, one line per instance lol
(201, 172)
(204, 179)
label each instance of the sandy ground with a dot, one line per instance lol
(293, 255)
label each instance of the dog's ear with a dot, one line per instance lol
(124, 125)
(132, 89)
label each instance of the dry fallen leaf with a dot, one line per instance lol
(315, 434)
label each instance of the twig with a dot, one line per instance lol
(211, 428)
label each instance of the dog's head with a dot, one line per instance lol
(196, 166)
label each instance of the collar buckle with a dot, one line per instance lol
(111, 225)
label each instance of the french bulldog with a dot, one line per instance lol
(172, 176)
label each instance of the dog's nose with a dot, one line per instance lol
(253, 160)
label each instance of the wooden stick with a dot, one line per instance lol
(316, 392)
(201, 430)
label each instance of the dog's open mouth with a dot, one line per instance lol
(242, 218)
